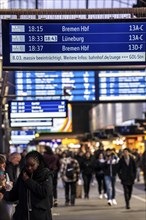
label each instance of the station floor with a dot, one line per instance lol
(95, 208)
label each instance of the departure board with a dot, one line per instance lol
(30, 122)
(116, 85)
(38, 124)
(22, 137)
(37, 109)
(73, 43)
(70, 85)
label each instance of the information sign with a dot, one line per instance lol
(122, 85)
(73, 42)
(69, 85)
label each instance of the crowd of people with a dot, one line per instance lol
(29, 181)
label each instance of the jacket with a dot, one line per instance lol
(34, 196)
(110, 166)
(66, 161)
(87, 166)
(127, 173)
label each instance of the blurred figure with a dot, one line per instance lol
(98, 165)
(79, 157)
(99, 150)
(127, 174)
(13, 171)
(52, 162)
(87, 172)
(22, 161)
(4, 215)
(110, 172)
(33, 190)
(138, 163)
(12, 166)
(143, 167)
(2, 172)
(69, 173)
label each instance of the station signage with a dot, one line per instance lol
(71, 85)
(76, 43)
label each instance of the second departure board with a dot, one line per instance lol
(122, 85)
(70, 85)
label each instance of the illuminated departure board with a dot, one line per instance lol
(73, 43)
(69, 85)
(37, 109)
(47, 124)
(22, 137)
(116, 85)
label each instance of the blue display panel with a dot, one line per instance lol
(22, 137)
(73, 42)
(25, 122)
(70, 85)
(37, 109)
(122, 85)
(49, 125)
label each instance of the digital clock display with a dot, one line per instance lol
(57, 43)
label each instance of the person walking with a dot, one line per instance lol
(110, 173)
(69, 173)
(98, 165)
(33, 190)
(87, 172)
(127, 174)
(53, 164)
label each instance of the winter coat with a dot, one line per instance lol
(34, 196)
(127, 173)
(51, 161)
(63, 168)
(87, 166)
(110, 166)
(12, 171)
(98, 166)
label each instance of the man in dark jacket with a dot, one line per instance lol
(127, 174)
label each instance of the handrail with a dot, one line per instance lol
(98, 11)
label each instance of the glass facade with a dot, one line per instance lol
(66, 4)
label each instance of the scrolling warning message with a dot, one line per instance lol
(76, 42)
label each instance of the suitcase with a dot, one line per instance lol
(78, 191)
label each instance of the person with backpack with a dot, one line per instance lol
(69, 173)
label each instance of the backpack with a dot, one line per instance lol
(70, 170)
